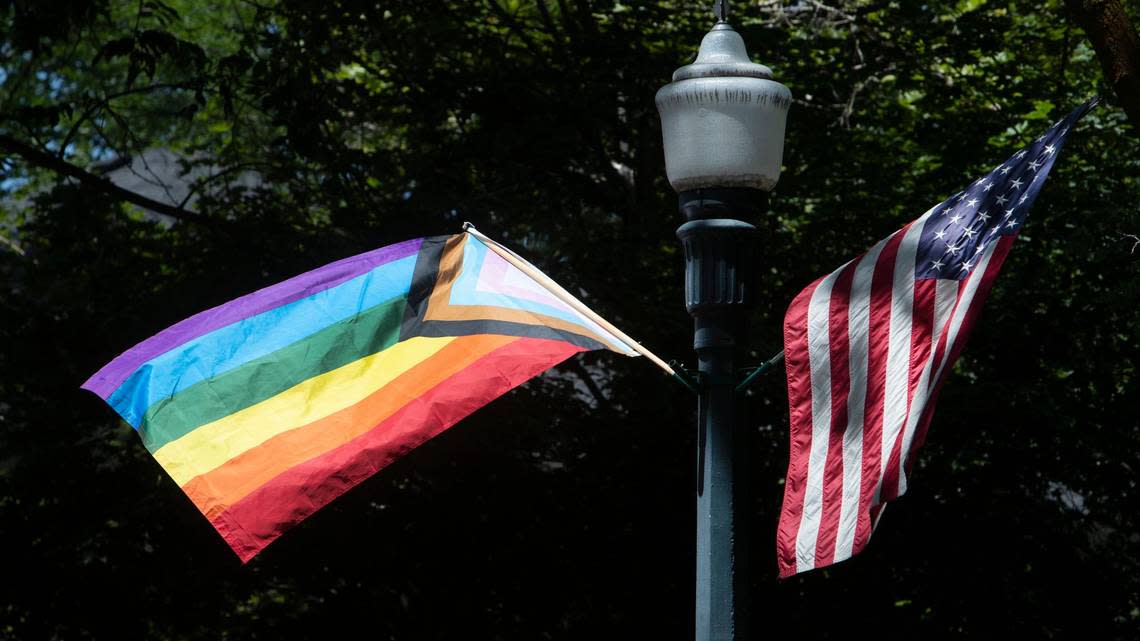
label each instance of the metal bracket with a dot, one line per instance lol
(755, 373)
(697, 381)
(691, 380)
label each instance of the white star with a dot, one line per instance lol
(955, 218)
(973, 202)
(1004, 170)
(1001, 200)
(1034, 165)
(1049, 149)
(994, 231)
(940, 234)
(947, 210)
(969, 232)
(1024, 197)
(988, 187)
(1040, 138)
(936, 265)
(962, 197)
(980, 180)
(1021, 154)
(1008, 213)
(1017, 182)
(981, 248)
(984, 216)
(967, 266)
(1012, 223)
(950, 247)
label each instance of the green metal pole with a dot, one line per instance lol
(718, 284)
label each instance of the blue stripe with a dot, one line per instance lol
(231, 346)
(464, 291)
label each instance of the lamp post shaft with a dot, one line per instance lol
(720, 570)
(719, 261)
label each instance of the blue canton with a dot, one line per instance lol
(960, 229)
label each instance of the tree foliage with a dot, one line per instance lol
(562, 510)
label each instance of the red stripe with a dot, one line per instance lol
(944, 335)
(263, 515)
(839, 340)
(878, 341)
(922, 320)
(934, 381)
(797, 362)
(967, 326)
(922, 333)
(937, 375)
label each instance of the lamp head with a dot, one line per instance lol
(723, 118)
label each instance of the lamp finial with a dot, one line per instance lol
(721, 10)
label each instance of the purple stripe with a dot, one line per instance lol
(106, 380)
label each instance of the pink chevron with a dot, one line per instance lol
(497, 276)
(500, 278)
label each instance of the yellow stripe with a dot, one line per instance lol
(213, 444)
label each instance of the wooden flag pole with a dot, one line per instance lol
(565, 296)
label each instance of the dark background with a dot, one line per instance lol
(563, 510)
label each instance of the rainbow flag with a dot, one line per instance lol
(268, 407)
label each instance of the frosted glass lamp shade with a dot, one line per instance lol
(723, 118)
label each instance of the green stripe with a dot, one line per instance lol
(369, 332)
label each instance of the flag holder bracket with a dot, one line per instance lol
(764, 367)
(697, 381)
(691, 380)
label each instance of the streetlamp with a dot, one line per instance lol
(722, 119)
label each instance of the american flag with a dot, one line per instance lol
(868, 346)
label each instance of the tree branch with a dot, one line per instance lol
(46, 160)
(193, 191)
(1134, 238)
(575, 366)
(1117, 47)
(12, 245)
(106, 100)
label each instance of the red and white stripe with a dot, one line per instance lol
(867, 348)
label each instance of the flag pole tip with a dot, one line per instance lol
(468, 226)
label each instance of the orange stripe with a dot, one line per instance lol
(216, 490)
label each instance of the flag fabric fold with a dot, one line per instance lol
(868, 347)
(268, 407)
